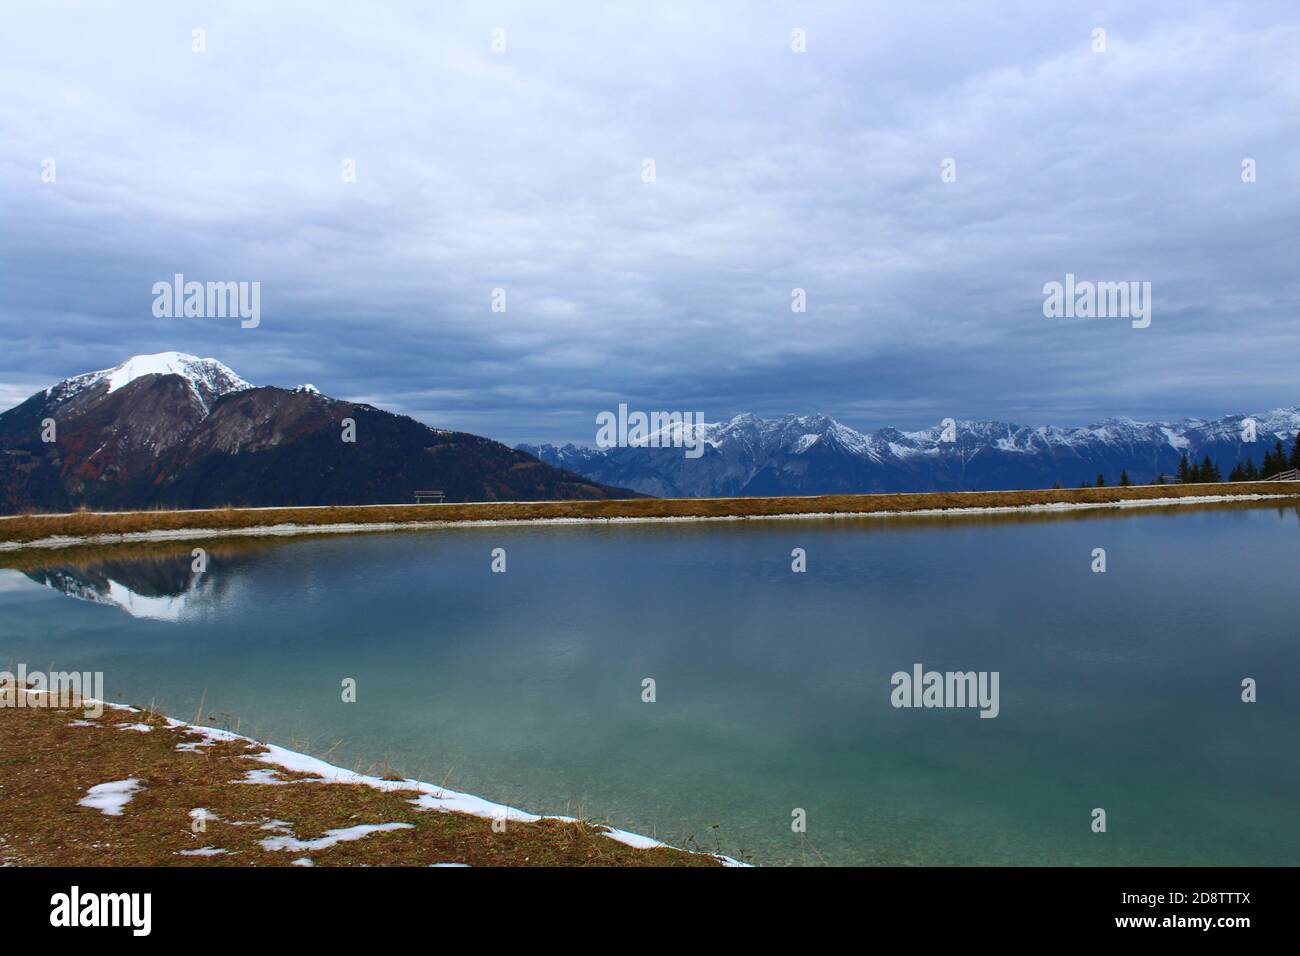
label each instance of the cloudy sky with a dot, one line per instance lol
(774, 170)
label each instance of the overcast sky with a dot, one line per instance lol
(774, 170)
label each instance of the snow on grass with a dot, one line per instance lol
(203, 851)
(428, 796)
(331, 837)
(263, 776)
(143, 728)
(112, 797)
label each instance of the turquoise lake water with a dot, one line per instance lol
(1119, 690)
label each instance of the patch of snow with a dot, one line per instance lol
(331, 837)
(853, 440)
(203, 851)
(263, 776)
(112, 797)
(142, 728)
(303, 861)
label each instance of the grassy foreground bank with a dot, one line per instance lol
(27, 529)
(252, 813)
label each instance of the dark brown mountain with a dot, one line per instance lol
(173, 430)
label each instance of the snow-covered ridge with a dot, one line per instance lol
(208, 378)
(798, 434)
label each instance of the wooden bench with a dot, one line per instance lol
(429, 497)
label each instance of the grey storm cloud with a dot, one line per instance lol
(775, 170)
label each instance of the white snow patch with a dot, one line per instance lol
(263, 776)
(203, 851)
(112, 797)
(803, 443)
(142, 728)
(1175, 441)
(330, 838)
(165, 363)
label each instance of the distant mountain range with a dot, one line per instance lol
(174, 430)
(814, 454)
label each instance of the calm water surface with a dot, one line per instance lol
(1118, 690)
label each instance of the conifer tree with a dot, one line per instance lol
(1274, 461)
(1123, 478)
(1295, 452)
(1252, 474)
(1101, 480)
(1184, 472)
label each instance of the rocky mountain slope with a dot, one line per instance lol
(174, 430)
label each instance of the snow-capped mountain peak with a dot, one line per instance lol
(815, 454)
(208, 378)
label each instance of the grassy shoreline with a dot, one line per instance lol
(82, 526)
(258, 805)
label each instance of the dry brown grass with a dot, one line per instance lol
(29, 528)
(47, 765)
